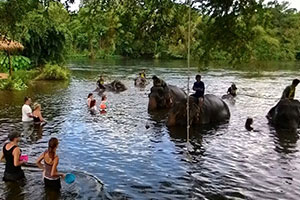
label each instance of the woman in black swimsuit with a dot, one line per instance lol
(11, 153)
(37, 114)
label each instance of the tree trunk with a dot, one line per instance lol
(9, 63)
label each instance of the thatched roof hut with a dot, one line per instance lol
(10, 46)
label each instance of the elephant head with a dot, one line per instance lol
(118, 86)
(286, 114)
(159, 97)
(178, 114)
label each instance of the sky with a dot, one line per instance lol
(293, 4)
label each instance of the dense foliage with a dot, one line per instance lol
(224, 30)
(18, 63)
(54, 72)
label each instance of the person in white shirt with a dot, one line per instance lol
(27, 111)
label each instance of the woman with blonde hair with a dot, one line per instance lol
(37, 114)
(50, 173)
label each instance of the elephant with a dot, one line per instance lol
(285, 115)
(213, 111)
(164, 97)
(229, 98)
(115, 86)
(140, 82)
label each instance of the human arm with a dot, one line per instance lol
(39, 160)
(28, 111)
(54, 171)
(16, 153)
(2, 156)
(41, 117)
(194, 87)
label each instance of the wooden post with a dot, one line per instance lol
(9, 63)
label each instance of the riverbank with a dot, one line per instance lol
(21, 79)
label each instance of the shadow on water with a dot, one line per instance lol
(285, 140)
(33, 187)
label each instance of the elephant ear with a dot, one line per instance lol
(195, 110)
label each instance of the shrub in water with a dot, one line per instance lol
(54, 72)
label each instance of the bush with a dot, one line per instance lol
(25, 76)
(54, 72)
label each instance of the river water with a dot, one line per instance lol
(133, 162)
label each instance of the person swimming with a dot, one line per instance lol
(248, 124)
(51, 160)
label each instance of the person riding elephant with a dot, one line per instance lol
(199, 89)
(100, 83)
(141, 79)
(213, 110)
(232, 90)
(289, 91)
(285, 115)
(164, 96)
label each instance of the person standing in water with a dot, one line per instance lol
(103, 103)
(89, 99)
(11, 153)
(289, 91)
(51, 160)
(37, 114)
(26, 110)
(199, 89)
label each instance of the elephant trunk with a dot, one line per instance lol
(171, 119)
(152, 105)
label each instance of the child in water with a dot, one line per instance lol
(103, 104)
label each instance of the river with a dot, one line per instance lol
(133, 162)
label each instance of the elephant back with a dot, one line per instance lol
(214, 109)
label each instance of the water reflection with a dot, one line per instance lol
(285, 141)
